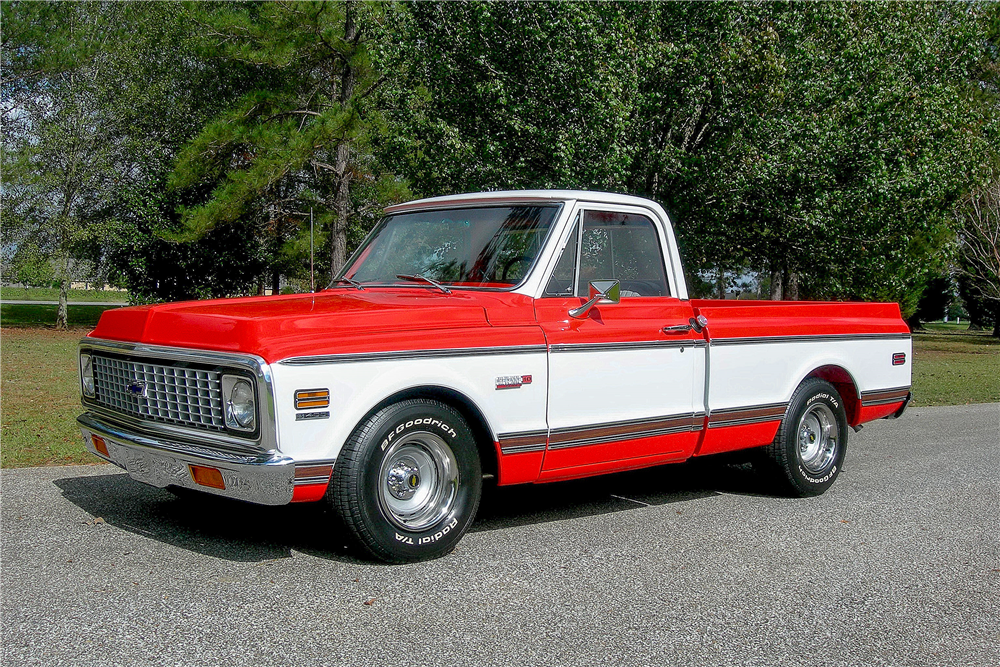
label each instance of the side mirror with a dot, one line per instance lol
(601, 291)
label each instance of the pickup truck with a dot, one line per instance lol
(515, 337)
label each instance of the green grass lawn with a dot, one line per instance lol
(52, 294)
(953, 366)
(34, 315)
(39, 398)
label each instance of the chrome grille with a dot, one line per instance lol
(159, 392)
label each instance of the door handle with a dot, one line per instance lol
(695, 323)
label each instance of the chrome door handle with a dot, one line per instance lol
(695, 323)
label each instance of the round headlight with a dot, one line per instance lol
(87, 375)
(241, 404)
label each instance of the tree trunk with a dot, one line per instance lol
(342, 176)
(792, 286)
(720, 283)
(275, 283)
(996, 320)
(62, 314)
(776, 285)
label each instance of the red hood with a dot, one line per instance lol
(337, 321)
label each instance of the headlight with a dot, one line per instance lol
(87, 375)
(241, 408)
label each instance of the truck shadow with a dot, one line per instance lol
(206, 524)
(504, 507)
(243, 532)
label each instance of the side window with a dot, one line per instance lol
(564, 275)
(624, 247)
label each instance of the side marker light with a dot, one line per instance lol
(100, 445)
(312, 398)
(205, 476)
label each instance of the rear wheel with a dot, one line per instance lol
(408, 481)
(808, 452)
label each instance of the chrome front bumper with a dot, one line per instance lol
(267, 479)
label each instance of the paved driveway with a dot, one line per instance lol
(898, 564)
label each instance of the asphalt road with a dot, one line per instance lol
(898, 564)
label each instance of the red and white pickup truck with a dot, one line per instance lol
(522, 337)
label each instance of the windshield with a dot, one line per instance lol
(491, 247)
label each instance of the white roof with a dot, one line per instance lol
(523, 196)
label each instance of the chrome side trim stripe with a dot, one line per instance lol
(635, 345)
(742, 416)
(405, 355)
(884, 396)
(313, 472)
(581, 436)
(520, 443)
(814, 338)
(636, 429)
(303, 481)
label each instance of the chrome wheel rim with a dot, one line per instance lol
(418, 481)
(818, 436)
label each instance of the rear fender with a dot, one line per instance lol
(842, 380)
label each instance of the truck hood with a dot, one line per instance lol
(342, 320)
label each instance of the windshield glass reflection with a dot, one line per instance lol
(491, 247)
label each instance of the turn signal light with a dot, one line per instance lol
(206, 476)
(312, 398)
(100, 445)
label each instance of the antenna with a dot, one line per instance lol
(312, 276)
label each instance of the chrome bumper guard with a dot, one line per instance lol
(267, 479)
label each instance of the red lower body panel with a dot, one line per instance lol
(600, 458)
(732, 438)
(307, 493)
(609, 457)
(519, 468)
(311, 480)
(873, 412)
(604, 467)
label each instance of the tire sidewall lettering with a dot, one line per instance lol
(823, 396)
(440, 426)
(819, 480)
(431, 539)
(824, 480)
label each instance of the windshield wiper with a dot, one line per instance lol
(418, 278)
(353, 283)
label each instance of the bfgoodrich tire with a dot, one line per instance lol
(808, 452)
(408, 481)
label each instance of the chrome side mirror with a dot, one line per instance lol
(601, 291)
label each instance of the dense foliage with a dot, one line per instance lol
(824, 140)
(825, 149)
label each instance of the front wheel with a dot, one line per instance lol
(407, 482)
(808, 452)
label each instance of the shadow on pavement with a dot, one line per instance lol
(504, 507)
(238, 531)
(207, 524)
